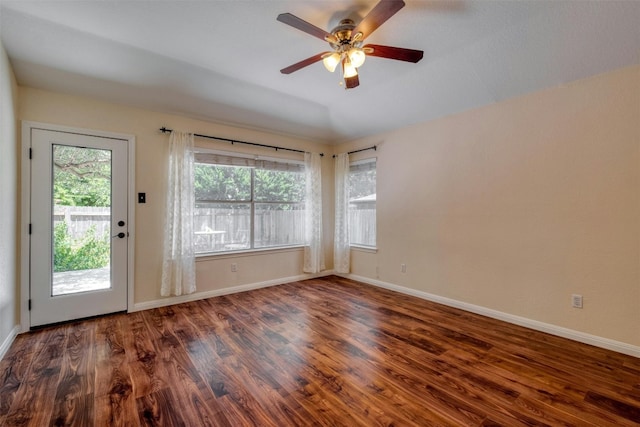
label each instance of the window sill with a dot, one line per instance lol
(246, 252)
(368, 249)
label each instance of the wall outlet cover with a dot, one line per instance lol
(576, 301)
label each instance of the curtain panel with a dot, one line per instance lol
(313, 250)
(178, 265)
(341, 248)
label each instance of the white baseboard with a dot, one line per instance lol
(224, 291)
(571, 334)
(8, 341)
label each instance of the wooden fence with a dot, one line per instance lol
(79, 219)
(362, 227)
(219, 229)
(226, 229)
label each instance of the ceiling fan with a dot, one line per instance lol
(347, 40)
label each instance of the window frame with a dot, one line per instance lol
(251, 201)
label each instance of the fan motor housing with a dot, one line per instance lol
(343, 33)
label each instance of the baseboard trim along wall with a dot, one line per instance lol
(571, 334)
(224, 291)
(585, 338)
(8, 341)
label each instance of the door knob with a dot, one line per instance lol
(120, 235)
(120, 223)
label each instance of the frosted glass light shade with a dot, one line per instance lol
(331, 61)
(348, 69)
(356, 56)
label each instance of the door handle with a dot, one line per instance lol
(120, 235)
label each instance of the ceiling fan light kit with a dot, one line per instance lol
(347, 40)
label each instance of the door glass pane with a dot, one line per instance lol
(81, 219)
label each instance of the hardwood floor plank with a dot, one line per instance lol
(251, 370)
(146, 377)
(15, 366)
(33, 403)
(190, 390)
(550, 388)
(344, 352)
(622, 409)
(73, 402)
(157, 409)
(322, 352)
(115, 404)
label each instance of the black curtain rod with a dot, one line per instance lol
(235, 141)
(374, 148)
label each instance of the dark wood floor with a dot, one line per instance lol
(326, 352)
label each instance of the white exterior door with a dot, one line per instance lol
(79, 226)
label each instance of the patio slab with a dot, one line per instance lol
(70, 282)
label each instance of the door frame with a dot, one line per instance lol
(25, 210)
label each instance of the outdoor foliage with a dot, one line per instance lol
(279, 186)
(362, 183)
(228, 183)
(82, 177)
(221, 183)
(86, 253)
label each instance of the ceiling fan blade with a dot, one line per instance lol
(390, 52)
(377, 16)
(305, 62)
(303, 25)
(351, 82)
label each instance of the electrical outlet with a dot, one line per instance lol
(403, 268)
(576, 301)
(234, 267)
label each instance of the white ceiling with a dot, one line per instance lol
(220, 60)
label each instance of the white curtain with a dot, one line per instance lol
(313, 251)
(178, 266)
(341, 249)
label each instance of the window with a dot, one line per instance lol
(362, 203)
(243, 203)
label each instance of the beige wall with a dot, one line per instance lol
(213, 273)
(518, 205)
(512, 207)
(9, 277)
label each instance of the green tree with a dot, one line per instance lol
(232, 183)
(82, 176)
(362, 183)
(279, 186)
(221, 183)
(86, 253)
